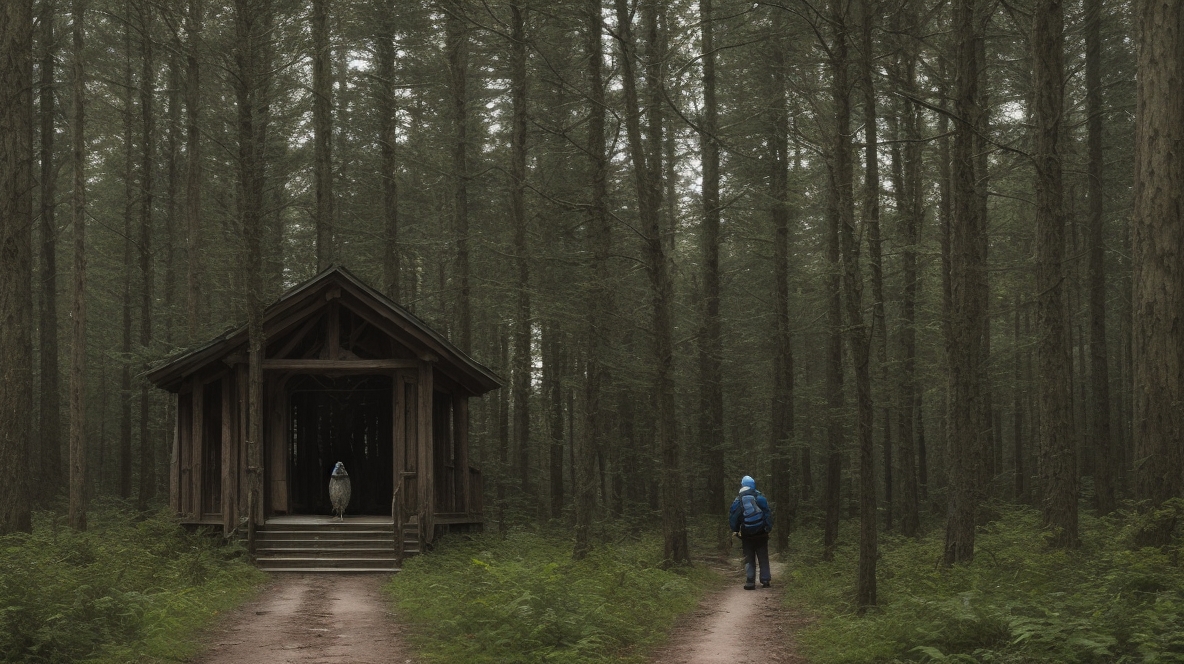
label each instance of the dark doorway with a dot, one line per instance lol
(346, 419)
(211, 449)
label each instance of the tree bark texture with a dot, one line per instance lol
(16, 261)
(322, 123)
(909, 188)
(553, 363)
(840, 159)
(384, 50)
(193, 167)
(251, 88)
(1157, 240)
(77, 471)
(147, 488)
(1104, 458)
(967, 431)
(647, 173)
(523, 363)
(871, 223)
(457, 47)
(599, 240)
(858, 335)
(1058, 458)
(782, 443)
(129, 205)
(711, 396)
(50, 418)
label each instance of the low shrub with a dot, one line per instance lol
(520, 598)
(127, 589)
(1019, 601)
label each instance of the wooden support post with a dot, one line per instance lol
(175, 460)
(228, 473)
(251, 524)
(242, 482)
(427, 502)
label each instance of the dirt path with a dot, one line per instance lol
(310, 618)
(735, 626)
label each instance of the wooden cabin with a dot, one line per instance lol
(348, 375)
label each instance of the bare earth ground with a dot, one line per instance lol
(736, 626)
(301, 618)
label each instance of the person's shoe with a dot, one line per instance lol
(764, 584)
(749, 585)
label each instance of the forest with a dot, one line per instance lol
(914, 265)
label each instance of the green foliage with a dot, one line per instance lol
(125, 590)
(1018, 602)
(520, 598)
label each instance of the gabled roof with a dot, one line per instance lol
(402, 324)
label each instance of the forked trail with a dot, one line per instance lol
(735, 626)
(311, 618)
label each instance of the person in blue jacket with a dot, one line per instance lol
(751, 520)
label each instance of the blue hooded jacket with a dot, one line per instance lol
(736, 513)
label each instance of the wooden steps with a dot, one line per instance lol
(322, 544)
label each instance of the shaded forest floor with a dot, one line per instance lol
(311, 618)
(132, 588)
(1020, 601)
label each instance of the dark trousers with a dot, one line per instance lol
(756, 549)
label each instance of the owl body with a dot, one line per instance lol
(339, 490)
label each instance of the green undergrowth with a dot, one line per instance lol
(521, 598)
(126, 590)
(1019, 601)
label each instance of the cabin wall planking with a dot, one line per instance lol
(460, 428)
(193, 508)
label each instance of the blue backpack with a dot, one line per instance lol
(753, 517)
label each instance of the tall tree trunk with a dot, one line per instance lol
(711, 396)
(50, 420)
(982, 151)
(871, 223)
(647, 173)
(1058, 458)
(1157, 234)
(129, 204)
(1104, 456)
(16, 261)
(858, 335)
(968, 434)
(147, 168)
(77, 509)
(193, 168)
(840, 178)
(384, 48)
(599, 239)
(522, 320)
(172, 174)
(909, 188)
(322, 123)
(553, 363)
(782, 406)
(1021, 489)
(457, 46)
(251, 69)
